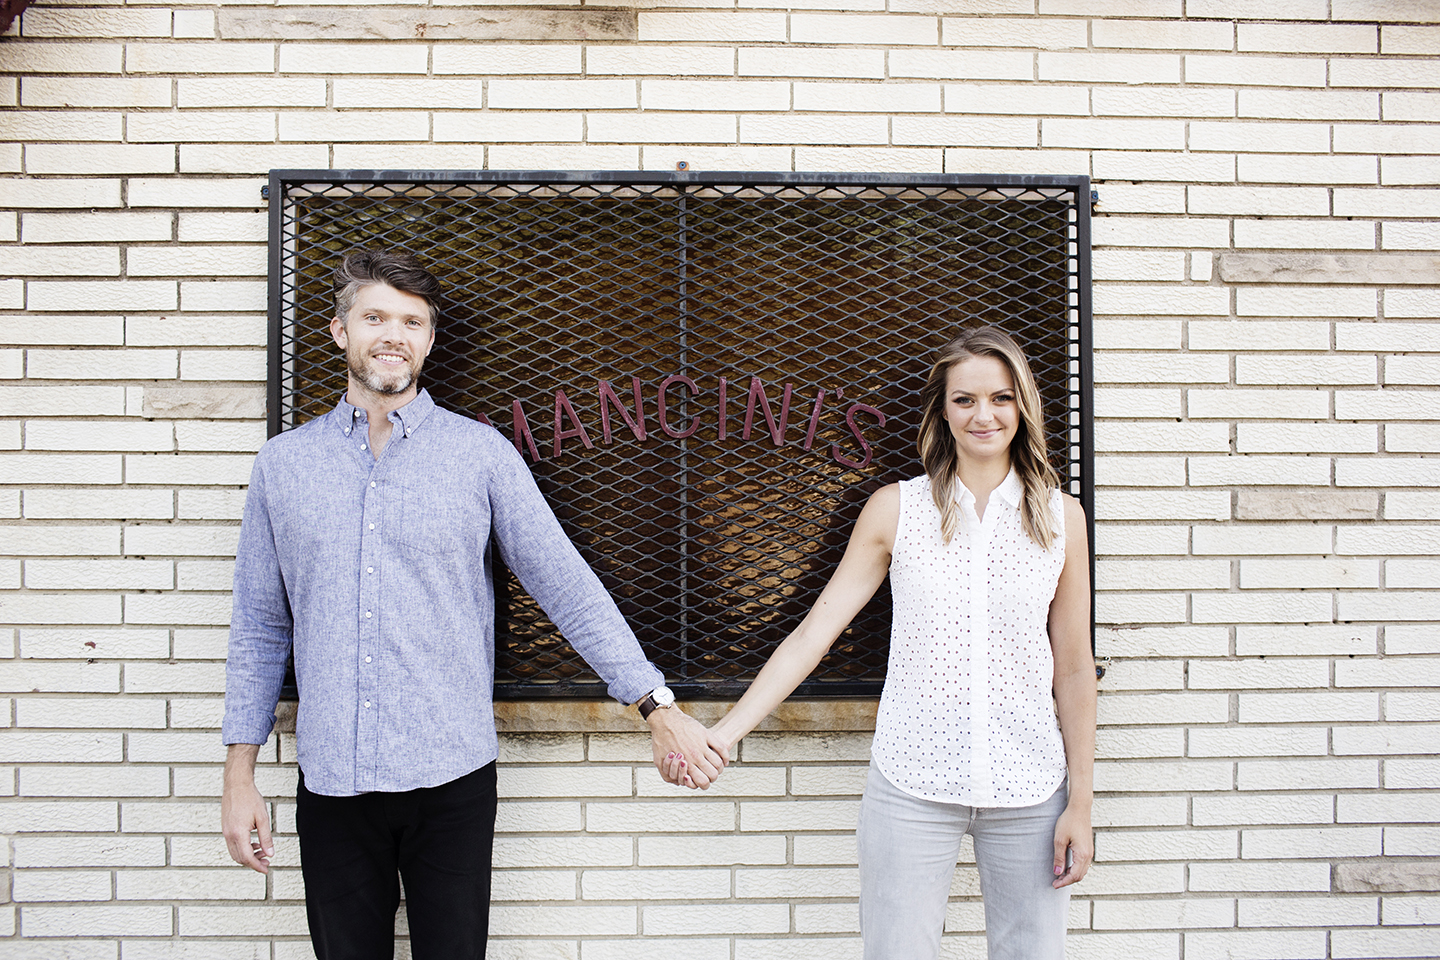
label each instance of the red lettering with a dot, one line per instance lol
(522, 429)
(835, 451)
(689, 431)
(814, 418)
(562, 404)
(723, 411)
(777, 430)
(608, 399)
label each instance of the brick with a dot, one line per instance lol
(714, 27)
(1403, 105)
(81, 227)
(692, 884)
(1164, 505)
(1421, 774)
(552, 782)
(59, 468)
(1098, 946)
(726, 919)
(1110, 67)
(1287, 168)
(194, 192)
(355, 125)
(96, 91)
(97, 23)
(1014, 32)
(1142, 198)
(1274, 945)
(182, 540)
(98, 435)
(717, 949)
(1386, 203)
(1228, 404)
(1124, 134)
(730, 849)
(99, 574)
(194, 24)
(59, 193)
(209, 921)
(1178, 437)
(1304, 234)
(1409, 841)
(881, 98)
(1170, 914)
(1307, 707)
(1416, 573)
(1153, 299)
(804, 129)
(251, 157)
(1393, 806)
(1388, 540)
(170, 678)
(1309, 104)
(81, 504)
(1307, 370)
(1159, 232)
(112, 643)
(1246, 674)
(1322, 775)
(229, 57)
(1257, 742)
(1393, 605)
(100, 295)
(812, 781)
(1164, 776)
(1118, 539)
(198, 644)
(1266, 201)
(797, 747)
(1261, 470)
(189, 609)
(1162, 102)
(1110, 879)
(94, 780)
(1173, 707)
(49, 816)
(172, 884)
(1384, 943)
(1306, 437)
(1261, 608)
(1395, 471)
(1407, 170)
(62, 125)
(533, 94)
(1307, 38)
(1140, 608)
(492, 127)
(1249, 539)
(1170, 845)
(1387, 336)
(515, 58)
(1395, 38)
(1268, 137)
(1163, 166)
(108, 364)
(1162, 35)
(889, 29)
(41, 261)
(944, 131)
(198, 125)
(114, 921)
(532, 885)
(1280, 844)
(1304, 574)
(1139, 471)
(1140, 402)
(935, 64)
(1140, 811)
(255, 92)
(1165, 641)
(42, 540)
(885, 159)
(1411, 505)
(342, 58)
(1411, 303)
(64, 58)
(1255, 71)
(174, 747)
(1370, 72)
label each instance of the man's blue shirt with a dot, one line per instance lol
(380, 573)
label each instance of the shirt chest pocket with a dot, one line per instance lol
(436, 520)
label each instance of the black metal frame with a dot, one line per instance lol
(1079, 320)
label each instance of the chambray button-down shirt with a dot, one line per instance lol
(379, 573)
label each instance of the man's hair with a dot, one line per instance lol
(361, 268)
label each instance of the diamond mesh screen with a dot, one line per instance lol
(707, 374)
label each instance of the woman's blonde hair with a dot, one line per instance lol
(1027, 451)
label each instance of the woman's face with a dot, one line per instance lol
(981, 408)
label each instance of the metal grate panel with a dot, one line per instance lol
(708, 373)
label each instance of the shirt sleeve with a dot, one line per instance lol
(538, 552)
(261, 626)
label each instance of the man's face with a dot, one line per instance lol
(386, 338)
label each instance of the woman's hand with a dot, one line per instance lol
(675, 769)
(1073, 834)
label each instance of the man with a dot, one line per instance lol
(365, 543)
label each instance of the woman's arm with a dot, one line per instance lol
(1074, 697)
(859, 575)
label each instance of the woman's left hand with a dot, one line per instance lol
(1073, 834)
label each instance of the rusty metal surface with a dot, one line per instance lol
(708, 373)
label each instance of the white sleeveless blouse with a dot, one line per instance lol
(967, 715)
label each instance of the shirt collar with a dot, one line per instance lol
(1010, 490)
(409, 416)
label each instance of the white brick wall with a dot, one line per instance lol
(1267, 432)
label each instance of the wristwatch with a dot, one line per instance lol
(659, 698)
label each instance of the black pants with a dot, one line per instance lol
(438, 839)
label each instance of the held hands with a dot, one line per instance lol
(1073, 833)
(681, 751)
(676, 770)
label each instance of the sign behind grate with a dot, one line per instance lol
(707, 373)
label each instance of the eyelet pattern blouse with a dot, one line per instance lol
(967, 715)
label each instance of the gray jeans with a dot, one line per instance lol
(908, 849)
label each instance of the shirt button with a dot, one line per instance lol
(367, 614)
(372, 483)
(367, 704)
(372, 526)
(363, 447)
(367, 659)
(369, 569)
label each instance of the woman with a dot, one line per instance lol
(989, 568)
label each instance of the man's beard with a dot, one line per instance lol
(386, 383)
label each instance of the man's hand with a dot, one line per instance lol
(681, 752)
(242, 810)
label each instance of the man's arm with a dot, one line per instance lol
(260, 635)
(541, 556)
(242, 810)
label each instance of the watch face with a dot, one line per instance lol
(662, 697)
